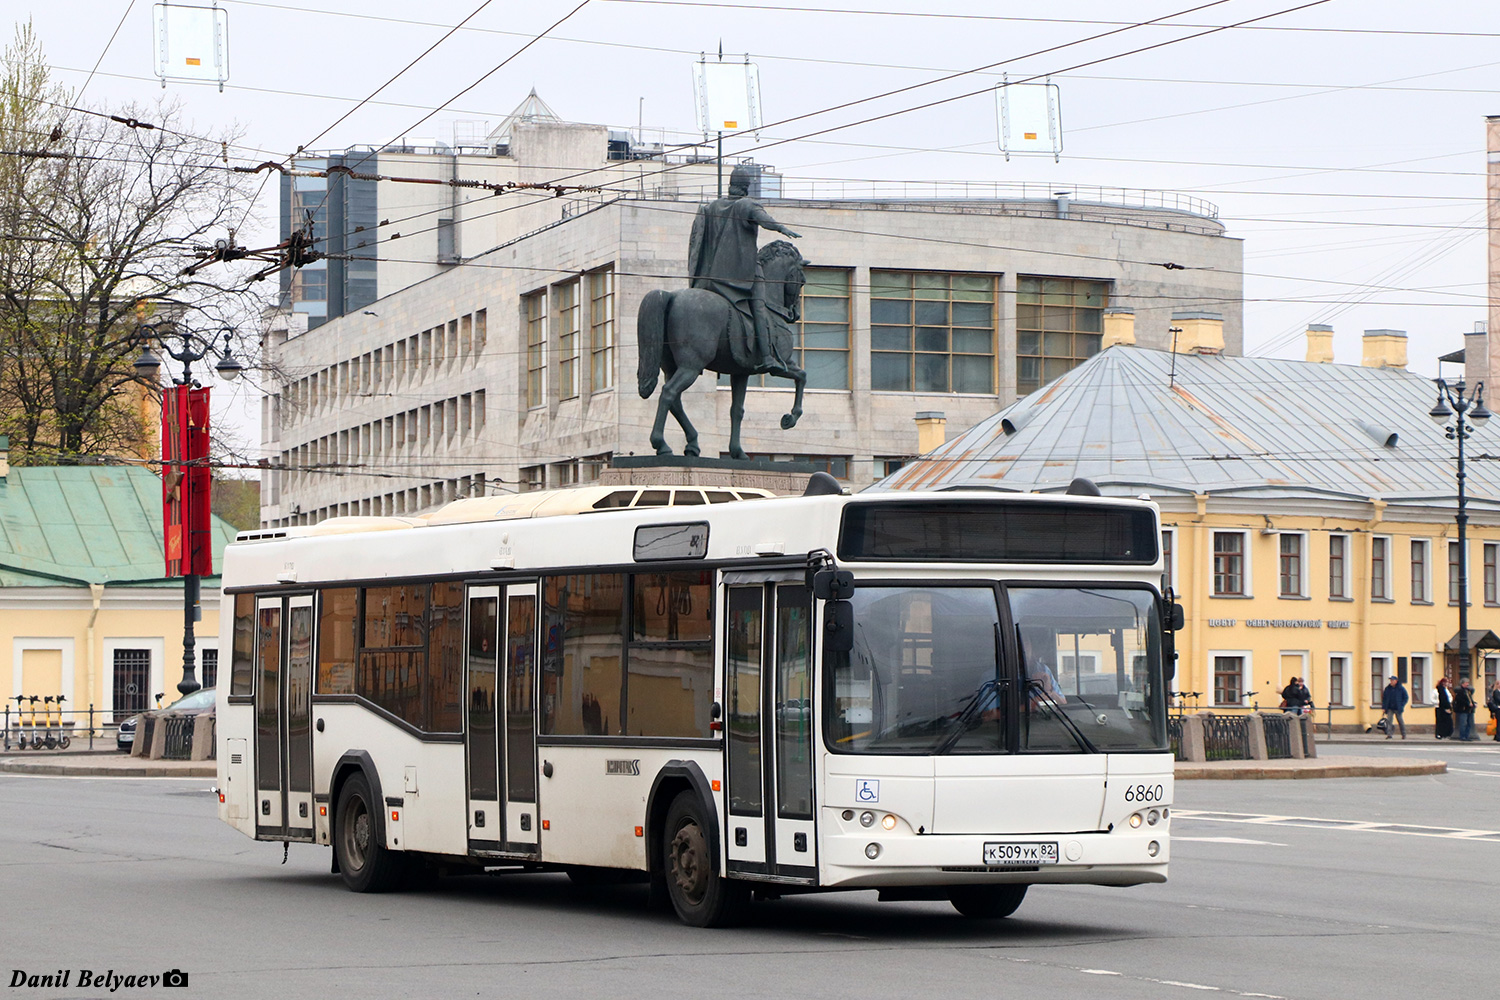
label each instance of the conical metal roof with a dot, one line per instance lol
(1136, 420)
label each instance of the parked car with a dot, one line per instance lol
(198, 702)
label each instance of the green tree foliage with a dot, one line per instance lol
(97, 220)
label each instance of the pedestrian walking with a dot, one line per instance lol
(1463, 711)
(1393, 700)
(1444, 718)
(1493, 704)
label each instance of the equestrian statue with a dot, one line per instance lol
(735, 318)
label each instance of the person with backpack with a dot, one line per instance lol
(1393, 701)
(1463, 711)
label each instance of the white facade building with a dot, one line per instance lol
(516, 368)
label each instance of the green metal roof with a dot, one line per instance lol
(76, 525)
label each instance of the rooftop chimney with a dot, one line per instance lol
(1202, 332)
(1477, 353)
(1385, 349)
(932, 430)
(1119, 327)
(1319, 343)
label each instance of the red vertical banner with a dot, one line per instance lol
(185, 482)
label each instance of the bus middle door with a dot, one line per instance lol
(768, 689)
(500, 733)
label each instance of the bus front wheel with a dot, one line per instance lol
(364, 862)
(987, 902)
(701, 897)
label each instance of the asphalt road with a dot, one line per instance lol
(1294, 889)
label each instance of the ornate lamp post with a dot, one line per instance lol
(1462, 414)
(147, 366)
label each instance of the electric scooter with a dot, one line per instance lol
(56, 737)
(36, 739)
(15, 731)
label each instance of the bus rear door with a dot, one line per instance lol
(283, 718)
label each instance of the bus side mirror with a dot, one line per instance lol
(833, 585)
(838, 627)
(1175, 618)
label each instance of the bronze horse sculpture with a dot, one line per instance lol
(682, 333)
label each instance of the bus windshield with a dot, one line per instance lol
(1091, 659)
(925, 676)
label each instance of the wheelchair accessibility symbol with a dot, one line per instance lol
(866, 790)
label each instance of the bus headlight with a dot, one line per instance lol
(888, 821)
(1153, 849)
(1135, 821)
(867, 818)
(1152, 817)
(872, 851)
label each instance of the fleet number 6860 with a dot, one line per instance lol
(1144, 793)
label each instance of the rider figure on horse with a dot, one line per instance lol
(722, 259)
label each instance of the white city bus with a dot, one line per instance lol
(949, 695)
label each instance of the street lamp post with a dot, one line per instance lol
(1466, 413)
(147, 366)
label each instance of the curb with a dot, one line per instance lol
(93, 771)
(1192, 772)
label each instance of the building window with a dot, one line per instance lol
(535, 311)
(566, 303)
(1291, 566)
(1454, 564)
(210, 668)
(1380, 670)
(601, 330)
(1338, 567)
(1419, 680)
(533, 477)
(1058, 326)
(1229, 564)
(889, 466)
(1338, 679)
(1490, 597)
(1167, 538)
(1380, 570)
(1420, 549)
(1229, 680)
(822, 347)
(932, 332)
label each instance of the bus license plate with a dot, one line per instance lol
(1011, 852)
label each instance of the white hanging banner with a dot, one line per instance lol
(727, 96)
(1030, 118)
(192, 43)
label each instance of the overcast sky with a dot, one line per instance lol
(1343, 142)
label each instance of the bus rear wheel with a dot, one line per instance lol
(987, 902)
(364, 862)
(701, 897)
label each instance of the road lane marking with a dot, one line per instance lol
(1361, 826)
(1225, 840)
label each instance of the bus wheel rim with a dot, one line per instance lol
(358, 841)
(690, 867)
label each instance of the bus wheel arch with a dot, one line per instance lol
(675, 777)
(356, 786)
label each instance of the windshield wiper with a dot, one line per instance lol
(1083, 741)
(965, 718)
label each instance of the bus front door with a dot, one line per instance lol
(500, 726)
(283, 718)
(769, 728)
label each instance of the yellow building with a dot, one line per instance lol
(1308, 511)
(85, 610)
